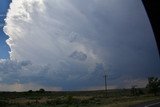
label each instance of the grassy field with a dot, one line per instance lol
(113, 98)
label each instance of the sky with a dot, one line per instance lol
(71, 44)
(4, 48)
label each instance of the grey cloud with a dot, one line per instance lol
(25, 72)
(73, 43)
(78, 56)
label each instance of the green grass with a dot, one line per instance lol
(114, 98)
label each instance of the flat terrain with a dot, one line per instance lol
(113, 98)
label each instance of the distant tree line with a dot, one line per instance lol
(153, 85)
(41, 90)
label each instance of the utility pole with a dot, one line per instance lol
(105, 83)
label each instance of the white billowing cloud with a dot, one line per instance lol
(70, 43)
(47, 32)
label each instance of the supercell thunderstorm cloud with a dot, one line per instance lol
(71, 44)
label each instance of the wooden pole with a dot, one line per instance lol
(105, 83)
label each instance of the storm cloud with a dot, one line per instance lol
(71, 44)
